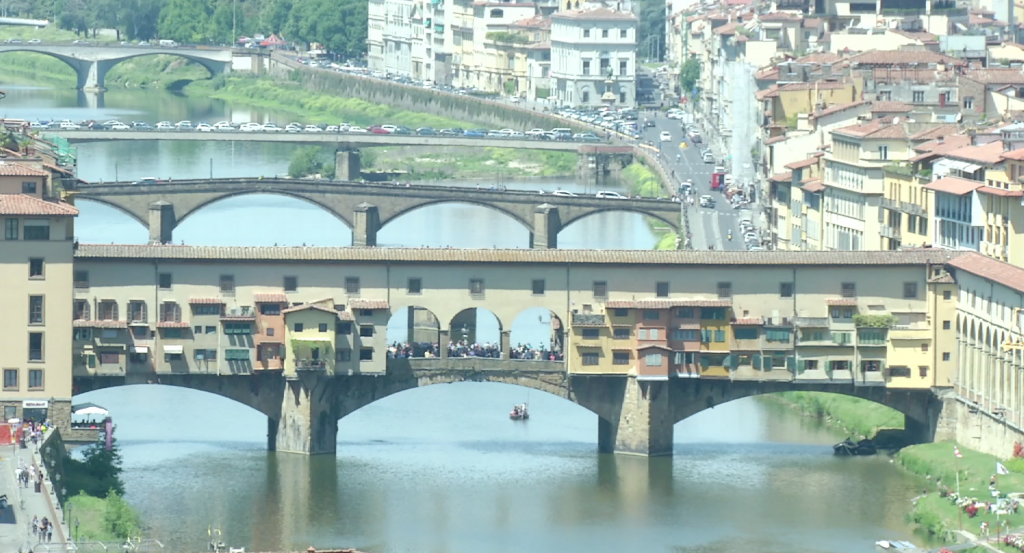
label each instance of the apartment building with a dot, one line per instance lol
(36, 250)
(375, 35)
(593, 57)
(866, 325)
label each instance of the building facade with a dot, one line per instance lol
(593, 57)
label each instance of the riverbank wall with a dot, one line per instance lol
(413, 98)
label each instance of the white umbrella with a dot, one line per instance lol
(92, 410)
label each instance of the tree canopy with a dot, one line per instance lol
(339, 25)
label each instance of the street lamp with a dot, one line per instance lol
(76, 535)
(67, 506)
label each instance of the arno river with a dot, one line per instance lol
(442, 469)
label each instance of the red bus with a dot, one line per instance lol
(717, 181)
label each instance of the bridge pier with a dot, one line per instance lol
(346, 166)
(308, 419)
(161, 222)
(365, 224)
(642, 424)
(547, 222)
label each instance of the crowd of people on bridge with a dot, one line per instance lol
(463, 349)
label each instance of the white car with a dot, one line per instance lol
(312, 128)
(331, 128)
(223, 126)
(183, 125)
(251, 127)
(389, 128)
(563, 193)
(666, 136)
(119, 126)
(751, 237)
(356, 129)
(203, 127)
(536, 133)
(69, 126)
(164, 126)
(270, 127)
(293, 127)
(613, 195)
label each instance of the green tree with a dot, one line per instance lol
(140, 18)
(119, 517)
(74, 15)
(305, 162)
(184, 21)
(689, 75)
(97, 473)
(273, 15)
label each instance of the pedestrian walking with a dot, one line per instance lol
(49, 534)
(35, 525)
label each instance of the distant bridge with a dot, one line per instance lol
(92, 62)
(345, 140)
(365, 208)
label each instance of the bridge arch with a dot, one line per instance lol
(422, 331)
(260, 392)
(208, 200)
(519, 218)
(91, 73)
(672, 224)
(79, 66)
(135, 216)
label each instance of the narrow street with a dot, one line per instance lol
(709, 226)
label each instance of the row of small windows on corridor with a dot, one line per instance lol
(34, 229)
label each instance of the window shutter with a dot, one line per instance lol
(92, 361)
(791, 362)
(730, 361)
(756, 362)
(801, 366)
(177, 313)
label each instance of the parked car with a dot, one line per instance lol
(426, 131)
(474, 133)
(203, 127)
(119, 126)
(613, 195)
(183, 125)
(563, 193)
(270, 127)
(293, 127)
(147, 180)
(312, 128)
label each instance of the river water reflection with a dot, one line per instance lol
(442, 469)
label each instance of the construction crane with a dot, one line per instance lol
(1014, 344)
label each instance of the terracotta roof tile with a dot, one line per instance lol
(620, 304)
(22, 204)
(1017, 154)
(944, 278)
(782, 177)
(995, 76)
(8, 169)
(369, 304)
(954, 185)
(936, 132)
(346, 316)
(986, 153)
(991, 269)
(903, 57)
(813, 186)
(205, 301)
(775, 139)
(877, 128)
(669, 303)
(837, 108)
(269, 297)
(993, 191)
(802, 163)
(146, 253)
(229, 318)
(307, 306)
(80, 323)
(848, 302)
(748, 321)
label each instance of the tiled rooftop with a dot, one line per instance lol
(987, 153)
(205, 301)
(992, 269)
(307, 306)
(995, 76)
(81, 323)
(8, 169)
(145, 253)
(802, 163)
(954, 185)
(270, 297)
(368, 304)
(603, 14)
(891, 107)
(876, 128)
(22, 204)
(904, 57)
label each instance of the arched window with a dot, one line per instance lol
(497, 13)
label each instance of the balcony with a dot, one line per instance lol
(913, 209)
(310, 365)
(889, 232)
(890, 204)
(812, 322)
(588, 319)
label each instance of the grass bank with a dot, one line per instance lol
(641, 181)
(491, 165)
(854, 416)
(937, 463)
(312, 107)
(103, 519)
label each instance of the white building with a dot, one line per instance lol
(399, 36)
(375, 36)
(593, 57)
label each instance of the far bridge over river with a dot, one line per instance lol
(365, 208)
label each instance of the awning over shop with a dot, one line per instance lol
(141, 349)
(174, 349)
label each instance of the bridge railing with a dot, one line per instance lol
(475, 364)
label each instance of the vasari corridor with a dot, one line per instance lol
(498, 276)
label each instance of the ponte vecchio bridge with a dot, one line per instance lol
(365, 208)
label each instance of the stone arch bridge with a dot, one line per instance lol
(92, 62)
(635, 416)
(365, 208)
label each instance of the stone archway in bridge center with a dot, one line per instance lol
(671, 222)
(537, 331)
(414, 332)
(477, 332)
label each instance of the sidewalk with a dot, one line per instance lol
(25, 503)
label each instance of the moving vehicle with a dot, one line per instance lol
(609, 194)
(224, 126)
(251, 127)
(519, 413)
(293, 127)
(708, 158)
(535, 133)
(717, 181)
(312, 128)
(183, 125)
(119, 126)
(147, 180)
(707, 201)
(426, 131)
(563, 193)
(203, 127)
(168, 43)
(270, 127)
(665, 136)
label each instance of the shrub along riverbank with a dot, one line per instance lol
(641, 181)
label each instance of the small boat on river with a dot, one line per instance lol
(519, 413)
(851, 448)
(886, 545)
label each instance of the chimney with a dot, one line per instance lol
(941, 139)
